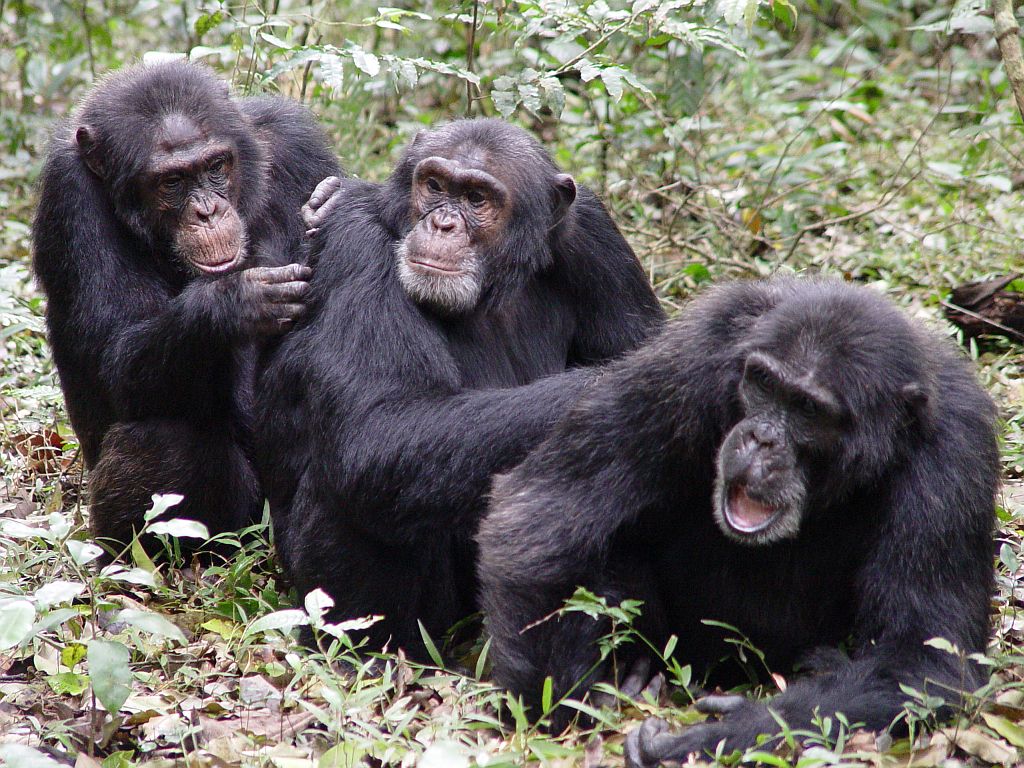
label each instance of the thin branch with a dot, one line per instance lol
(1008, 37)
(471, 57)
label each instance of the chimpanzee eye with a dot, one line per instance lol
(475, 197)
(170, 183)
(433, 185)
(217, 166)
(760, 379)
(806, 406)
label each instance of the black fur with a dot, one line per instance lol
(380, 422)
(894, 546)
(155, 362)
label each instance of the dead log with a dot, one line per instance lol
(986, 307)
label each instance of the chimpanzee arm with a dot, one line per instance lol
(616, 309)
(556, 521)
(113, 312)
(928, 575)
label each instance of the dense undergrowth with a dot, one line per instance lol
(874, 141)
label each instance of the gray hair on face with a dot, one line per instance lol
(447, 294)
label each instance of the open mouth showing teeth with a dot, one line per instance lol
(747, 515)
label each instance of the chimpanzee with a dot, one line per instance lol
(168, 214)
(445, 308)
(792, 459)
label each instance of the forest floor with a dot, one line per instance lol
(904, 180)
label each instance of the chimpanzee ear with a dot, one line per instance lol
(918, 401)
(564, 195)
(88, 149)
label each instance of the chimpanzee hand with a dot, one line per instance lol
(652, 744)
(325, 198)
(266, 300)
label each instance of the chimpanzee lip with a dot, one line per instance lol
(430, 266)
(216, 268)
(746, 514)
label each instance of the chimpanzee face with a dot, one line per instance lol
(460, 213)
(790, 418)
(187, 191)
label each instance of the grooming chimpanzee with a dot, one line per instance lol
(443, 302)
(168, 214)
(791, 458)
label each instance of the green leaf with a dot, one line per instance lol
(20, 756)
(72, 654)
(366, 61)
(343, 755)
(435, 655)
(110, 673)
(785, 13)
(546, 694)
(505, 102)
(670, 646)
(1009, 730)
(16, 617)
(116, 572)
(612, 78)
(121, 759)
(140, 558)
(943, 645)
(57, 592)
(161, 503)
(151, 622)
(765, 758)
(180, 528)
(275, 41)
(83, 552)
(317, 603)
(67, 683)
(208, 21)
(222, 627)
(279, 620)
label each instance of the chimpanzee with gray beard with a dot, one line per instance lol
(791, 458)
(167, 218)
(445, 308)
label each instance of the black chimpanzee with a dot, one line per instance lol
(168, 213)
(793, 459)
(442, 304)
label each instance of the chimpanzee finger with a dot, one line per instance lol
(285, 293)
(323, 200)
(324, 190)
(638, 742)
(717, 704)
(289, 311)
(637, 678)
(286, 274)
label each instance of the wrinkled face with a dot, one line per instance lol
(191, 191)
(460, 213)
(791, 420)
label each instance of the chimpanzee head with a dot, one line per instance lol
(178, 160)
(479, 201)
(832, 391)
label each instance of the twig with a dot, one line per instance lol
(471, 57)
(1008, 37)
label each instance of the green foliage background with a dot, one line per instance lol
(873, 140)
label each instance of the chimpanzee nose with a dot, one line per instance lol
(766, 434)
(205, 210)
(443, 221)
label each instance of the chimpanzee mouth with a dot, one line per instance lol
(745, 514)
(430, 267)
(220, 266)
